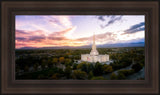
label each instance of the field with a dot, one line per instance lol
(65, 64)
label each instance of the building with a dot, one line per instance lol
(94, 56)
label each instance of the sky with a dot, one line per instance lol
(77, 30)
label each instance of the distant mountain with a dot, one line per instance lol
(138, 44)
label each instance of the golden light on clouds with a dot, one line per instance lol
(55, 31)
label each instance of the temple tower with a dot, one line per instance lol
(94, 50)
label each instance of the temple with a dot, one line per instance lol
(94, 56)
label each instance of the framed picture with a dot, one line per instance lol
(82, 47)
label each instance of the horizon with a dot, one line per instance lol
(40, 31)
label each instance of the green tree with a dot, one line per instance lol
(26, 68)
(35, 66)
(121, 76)
(90, 75)
(98, 78)
(113, 76)
(77, 74)
(55, 61)
(55, 76)
(90, 67)
(43, 63)
(98, 69)
(61, 60)
(68, 62)
(75, 66)
(137, 67)
(68, 72)
(107, 68)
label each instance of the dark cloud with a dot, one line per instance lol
(57, 38)
(101, 18)
(37, 38)
(20, 39)
(21, 31)
(111, 19)
(135, 28)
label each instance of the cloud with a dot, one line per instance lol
(36, 38)
(20, 39)
(107, 37)
(135, 28)
(21, 32)
(39, 39)
(57, 38)
(59, 22)
(101, 18)
(109, 20)
(60, 33)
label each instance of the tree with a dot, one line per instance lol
(61, 60)
(113, 76)
(55, 76)
(90, 75)
(55, 61)
(35, 66)
(67, 72)
(79, 66)
(26, 68)
(84, 67)
(98, 78)
(75, 66)
(107, 68)
(68, 62)
(137, 67)
(121, 76)
(98, 69)
(90, 67)
(77, 74)
(43, 63)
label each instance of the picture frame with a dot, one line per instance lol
(148, 86)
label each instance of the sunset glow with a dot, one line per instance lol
(77, 30)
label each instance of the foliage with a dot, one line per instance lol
(121, 76)
(77, 74)
(68, 71)
(113, 76)
(137, 67)
(107, 68)
(90, 75)
(58, 59)
(126, 72)
(98, 70)
(98, 78)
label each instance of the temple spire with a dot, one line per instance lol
(94, 50)
(94, 44)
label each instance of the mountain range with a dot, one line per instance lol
(136, 44)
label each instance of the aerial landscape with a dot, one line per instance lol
(80, 47)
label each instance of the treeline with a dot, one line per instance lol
(81, 71)
(64, 64)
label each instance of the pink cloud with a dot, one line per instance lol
(39, 39)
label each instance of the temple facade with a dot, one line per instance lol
(94, 56)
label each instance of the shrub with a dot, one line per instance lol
(126, 72)
(137, 67)
(121, 76)
(98, 78)
(113, 76)
(77, 74)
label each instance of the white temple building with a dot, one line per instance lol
(94, 56)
